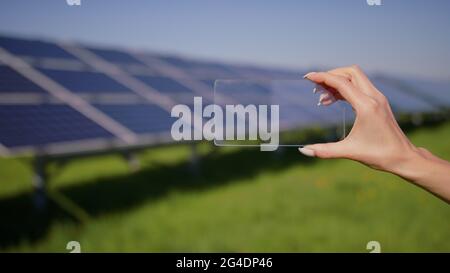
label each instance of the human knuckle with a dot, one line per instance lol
(424, 151)
(383, 101)
(356, 69)
(341, 85)
(342, 82)
(371, 105)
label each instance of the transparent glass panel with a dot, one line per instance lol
(274, 113)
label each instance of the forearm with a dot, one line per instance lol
(426, 171)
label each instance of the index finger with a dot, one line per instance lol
(340, 84)
(356, 75)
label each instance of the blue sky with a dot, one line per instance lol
(409, 37)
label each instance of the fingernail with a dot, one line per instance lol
(322, 98)
(307, 152)
(327, 102)
(308, 74)
(325, 96)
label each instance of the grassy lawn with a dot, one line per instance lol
(237, 200)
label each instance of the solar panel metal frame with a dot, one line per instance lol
(87, 146)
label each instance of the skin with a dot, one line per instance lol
(376, 139)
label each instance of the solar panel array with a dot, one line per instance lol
(67, 97)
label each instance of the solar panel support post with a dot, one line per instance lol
(194, 159)
(39, 181)
(279, 152)
(133, 161)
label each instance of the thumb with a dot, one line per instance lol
(325, 150)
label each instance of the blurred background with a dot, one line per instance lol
(86, 153)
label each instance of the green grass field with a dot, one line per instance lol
(239, 200)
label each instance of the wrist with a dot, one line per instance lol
(412, 166)
(427, 171)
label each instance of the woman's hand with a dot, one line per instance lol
(376, 139)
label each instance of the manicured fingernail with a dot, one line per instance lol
(307, 152)
(308, 74)
(315, 90)
(325, 96)
(327, 102)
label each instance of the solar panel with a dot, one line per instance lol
(400, 100)
(213, 71)
(203, 70)
(35, 125)
(436, 91)
(245, 92)
(178, 62)
(140, 118)
(209, 82)
(84, 81)
(165, 84)
(299, 105)
(171, 88)
(253, 72)
(11, 81)
(125, 60)
(33, 48)
(115, 56)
